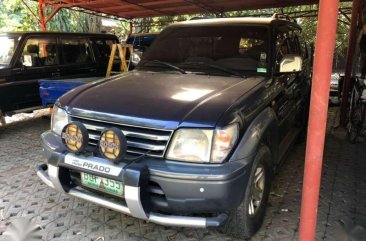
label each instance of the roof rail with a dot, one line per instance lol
(283, 16)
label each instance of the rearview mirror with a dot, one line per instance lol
(290, 64)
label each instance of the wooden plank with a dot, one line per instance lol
(111, 60)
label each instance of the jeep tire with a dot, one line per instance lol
(243, 222)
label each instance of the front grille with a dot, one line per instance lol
(140, 140)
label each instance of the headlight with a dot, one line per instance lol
(135, 58)
(203, 146)
(59, 120)
(224, 141)
(191, 145)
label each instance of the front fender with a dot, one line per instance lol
(263, 129)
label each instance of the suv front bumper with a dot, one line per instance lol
(190, 191)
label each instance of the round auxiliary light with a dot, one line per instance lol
(75, 137)
(113, 144)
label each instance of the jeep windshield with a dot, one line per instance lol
(8, 45)
(215, 50)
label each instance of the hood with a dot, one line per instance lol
(159, 100)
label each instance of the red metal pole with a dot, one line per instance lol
(41, 15)
(324, 49)
(350, 57)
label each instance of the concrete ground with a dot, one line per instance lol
(341, 213)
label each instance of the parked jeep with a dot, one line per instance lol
(26, 57)
(193, 135)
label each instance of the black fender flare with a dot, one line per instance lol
(262, 130)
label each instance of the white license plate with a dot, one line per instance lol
(102, 184)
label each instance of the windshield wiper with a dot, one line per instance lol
(165, 64)
(217, 67)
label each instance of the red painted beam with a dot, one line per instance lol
(324, 50)
(349, 62)
(41, 15)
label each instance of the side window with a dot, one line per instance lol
(282, 47)
(76, 51)
(39, 52)
(287, 43)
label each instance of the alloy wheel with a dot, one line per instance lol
(257, 190)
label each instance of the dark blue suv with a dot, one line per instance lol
(193, 135)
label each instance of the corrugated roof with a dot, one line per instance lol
(130, 9)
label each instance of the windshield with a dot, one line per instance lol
(8, 45)
(214, 50)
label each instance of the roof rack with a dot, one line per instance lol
(283, 16)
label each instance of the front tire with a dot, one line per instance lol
(245, 220)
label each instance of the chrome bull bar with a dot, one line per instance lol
(49, 175)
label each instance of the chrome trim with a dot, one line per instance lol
(132, 197)
(90, 197)
(181, 221)
(134, 134)
(114, 122)
(83, 163)
(43, 176)
(53, 173)
(138, 132)
(134, 152)
(135, 144)
(167, 220)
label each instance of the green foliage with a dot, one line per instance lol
(15, 16)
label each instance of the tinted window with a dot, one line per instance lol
(239, 48)
(104, 46)
(39, 52)
(76, 51)
(8, 45)
(287, 43)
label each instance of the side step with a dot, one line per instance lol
(25, 110)
(287, 142)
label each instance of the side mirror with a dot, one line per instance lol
(290, 64)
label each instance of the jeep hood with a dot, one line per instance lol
(159, 100)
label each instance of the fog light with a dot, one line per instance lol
(113, 144)
(75, 137)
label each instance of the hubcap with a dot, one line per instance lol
(257, 190)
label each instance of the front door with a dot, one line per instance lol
(293, 86)
(38, 60)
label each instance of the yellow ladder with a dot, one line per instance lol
(122, 51)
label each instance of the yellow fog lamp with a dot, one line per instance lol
(113, 144)
(75, 137)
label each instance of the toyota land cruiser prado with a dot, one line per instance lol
(193, 135)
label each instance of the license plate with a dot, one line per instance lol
(102, 184)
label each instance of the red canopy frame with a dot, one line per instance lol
(323, 61)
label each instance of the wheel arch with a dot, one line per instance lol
(262, 130)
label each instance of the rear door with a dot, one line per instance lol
(38, 60)
(77, 57)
